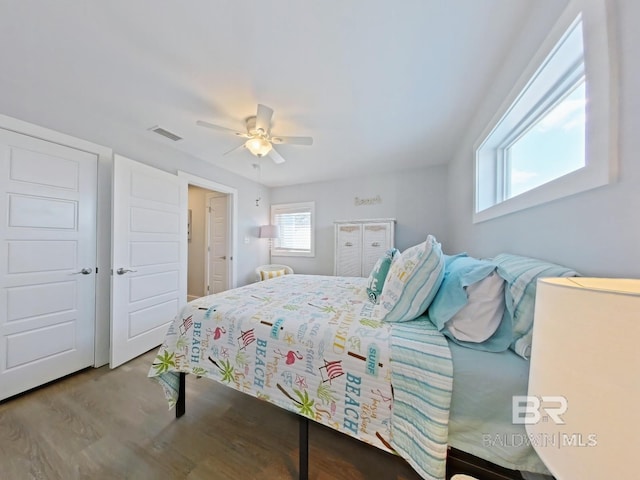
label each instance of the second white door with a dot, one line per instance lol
(149, 236)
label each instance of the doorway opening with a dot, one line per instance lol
(208, 242)
(197, 257)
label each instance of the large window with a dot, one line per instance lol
(551, 148)
(554, 135)
(295, 223)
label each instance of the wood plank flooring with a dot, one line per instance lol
(115, 424)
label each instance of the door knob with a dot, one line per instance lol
(84, 271)
(122, 271)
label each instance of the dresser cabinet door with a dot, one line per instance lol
(359, 245)
(376, 239)
(349, 250)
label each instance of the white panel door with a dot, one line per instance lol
(218, 245)
(149, 238)
(47, 262)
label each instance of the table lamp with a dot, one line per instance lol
(583, 405)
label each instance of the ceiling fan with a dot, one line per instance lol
(260, 140)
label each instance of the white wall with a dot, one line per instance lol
(415, 198)
(596, 232)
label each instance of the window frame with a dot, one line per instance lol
(600, 126)
(299, 207)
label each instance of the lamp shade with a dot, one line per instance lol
(585, 377)
(269, 231)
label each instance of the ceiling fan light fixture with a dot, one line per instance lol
(259, 146)
(259, 141)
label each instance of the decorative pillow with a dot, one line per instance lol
(413, 280)
(267, 274)
(379, 274)
(521, 275)
(469, 305)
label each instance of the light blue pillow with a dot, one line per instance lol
(376, 279)
(521, 275)
(461, 271)
(413, 280)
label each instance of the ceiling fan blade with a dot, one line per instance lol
(263, 118)
(234, 149)
(292, 140)
(275, 156)
(202, 123)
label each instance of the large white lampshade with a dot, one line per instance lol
(269, 231)
(586, 351)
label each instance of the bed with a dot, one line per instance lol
(315, 345)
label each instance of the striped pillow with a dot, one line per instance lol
(413, 280)
(521, 275)
(267, 274)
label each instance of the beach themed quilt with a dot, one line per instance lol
(309, 344)
(306, 343)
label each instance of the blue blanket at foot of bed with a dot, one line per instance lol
(422, 378)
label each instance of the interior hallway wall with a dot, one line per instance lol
(197, 242)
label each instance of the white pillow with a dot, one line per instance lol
(479, 319)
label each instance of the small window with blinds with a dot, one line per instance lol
(295, 223)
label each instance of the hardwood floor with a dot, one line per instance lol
(115, 424)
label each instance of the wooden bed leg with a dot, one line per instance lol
(180, 404)
(304, 448)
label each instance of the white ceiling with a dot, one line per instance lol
(379, 84)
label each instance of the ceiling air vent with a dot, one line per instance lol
(165, 133)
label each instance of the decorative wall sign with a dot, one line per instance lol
(367, 201)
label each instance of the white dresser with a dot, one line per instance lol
(359, 244)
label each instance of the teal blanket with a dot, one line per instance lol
(422, 378)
